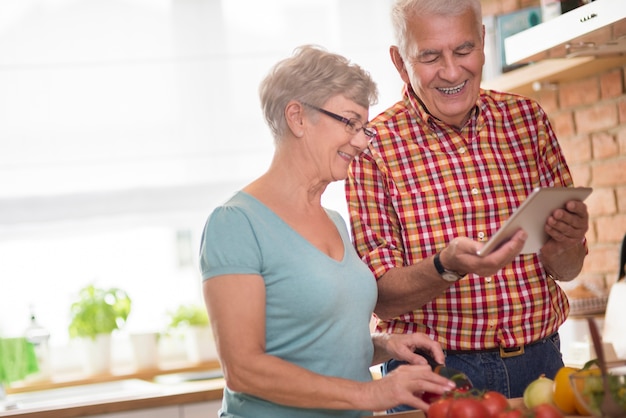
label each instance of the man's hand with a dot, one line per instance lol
(563, 254)
(461, 255)
(566, 227)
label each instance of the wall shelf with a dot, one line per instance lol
(524, 80)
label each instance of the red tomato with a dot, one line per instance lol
(467, 408)
(511, 413)
(430, 398)
(494, 402)
(547, 410)
(439, 408)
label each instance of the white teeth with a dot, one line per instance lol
(452, 90)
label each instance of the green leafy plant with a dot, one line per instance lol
(98, 311)
(188, 315)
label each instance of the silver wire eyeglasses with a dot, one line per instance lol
(353, 125)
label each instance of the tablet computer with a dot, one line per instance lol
(531, 216)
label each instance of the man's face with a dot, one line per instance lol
(445, 63)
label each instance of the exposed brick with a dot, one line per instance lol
(581, 92)
(620, 197)
(611, 84)
(529, 3)
(621, 106)
(491, 7)
(509, 6)
(576, 149)
(548, 99)
(591, 234)
(602, 259)
(609, 173)
(604, 145)
(601, 202)
(563, 124)
(596, 118)
(611, 228)
(581, 174)
(621, 140)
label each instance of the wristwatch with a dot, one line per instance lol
(448, 275)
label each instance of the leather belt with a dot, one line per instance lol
(505, 352)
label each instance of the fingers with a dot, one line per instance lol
(570, 223)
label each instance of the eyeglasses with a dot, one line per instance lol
(353, 125)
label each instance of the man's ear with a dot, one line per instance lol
(398, 62)
(294, 115)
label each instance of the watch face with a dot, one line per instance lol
(450, 277)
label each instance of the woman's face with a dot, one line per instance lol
(445, 65)
(332, 144)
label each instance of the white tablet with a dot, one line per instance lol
(531, 216)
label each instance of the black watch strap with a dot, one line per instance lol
(447, 275)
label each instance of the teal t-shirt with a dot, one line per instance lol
(317, 309)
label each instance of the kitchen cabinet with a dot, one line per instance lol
(585, 41)
(161, 412)
(595, 29)
(200, 409)
(191, 410)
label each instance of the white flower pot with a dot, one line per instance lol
(200, 344)
(96, 354)
(145, 350)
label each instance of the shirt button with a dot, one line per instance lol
(481, 236)
(488, 279)
(474, 190)
(462, 150)
(491, 323)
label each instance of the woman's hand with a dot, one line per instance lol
(402, 346)
(404, 386)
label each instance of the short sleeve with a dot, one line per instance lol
(229, 244)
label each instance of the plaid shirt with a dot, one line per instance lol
(421, 183)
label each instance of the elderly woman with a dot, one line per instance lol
(289, 300)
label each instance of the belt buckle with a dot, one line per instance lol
(515, 351)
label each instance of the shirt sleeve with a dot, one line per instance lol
(229, 245)
(552, 166)
(376, 229)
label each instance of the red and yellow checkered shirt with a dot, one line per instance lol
(422, 183)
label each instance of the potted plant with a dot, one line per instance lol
(95, 314)
(193, 323)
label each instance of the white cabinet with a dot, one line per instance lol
(569, 28)
(201, 409)
(207, 409)
(160, 412)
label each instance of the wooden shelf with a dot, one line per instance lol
(525, 80)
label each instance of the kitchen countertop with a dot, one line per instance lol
(168, 386)
(182, 393)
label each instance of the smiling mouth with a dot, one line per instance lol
(346, 156)
(452, 90)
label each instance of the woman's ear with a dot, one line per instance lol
(294, 115)
(398, 62)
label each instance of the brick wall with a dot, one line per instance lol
(589, 117)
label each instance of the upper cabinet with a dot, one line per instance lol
(597, 28)
(581, 42)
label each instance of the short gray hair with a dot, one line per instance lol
(312, 75)
(404, 10)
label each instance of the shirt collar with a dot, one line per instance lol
(421, 112)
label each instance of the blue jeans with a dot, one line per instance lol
(509, 376)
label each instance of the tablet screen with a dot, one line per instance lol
(531, 216)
